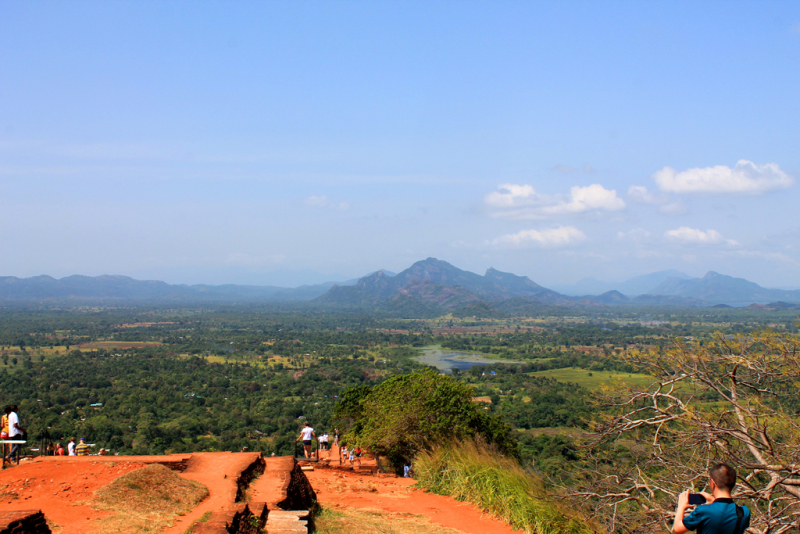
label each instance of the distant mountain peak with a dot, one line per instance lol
(717, 288)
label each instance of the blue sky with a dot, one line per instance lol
(263, 142)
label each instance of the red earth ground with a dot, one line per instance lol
(346, 489)
(63, 488)
(337, 489)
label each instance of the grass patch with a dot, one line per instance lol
(203, 518)
(497, 485)
(595, 379)
(146, 500)
(349, 521)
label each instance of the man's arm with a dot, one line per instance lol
(683, 503)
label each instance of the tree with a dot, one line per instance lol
(733, 400)
(413, 412)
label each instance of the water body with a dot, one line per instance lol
(447, 360)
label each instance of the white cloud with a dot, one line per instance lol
(515, 201)
(684, 234)
(746, 177)
(640, 195)
(513, 195)
(316, 201)
(589, 198)
(553, 237)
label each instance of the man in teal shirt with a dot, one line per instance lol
(719, 515)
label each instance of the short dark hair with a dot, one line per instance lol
(724, 476)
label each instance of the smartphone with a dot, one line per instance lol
(696, 498)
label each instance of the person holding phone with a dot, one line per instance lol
(715, 512)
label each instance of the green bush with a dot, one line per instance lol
(419, 411)
(499, 485)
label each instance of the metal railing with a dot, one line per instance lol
(12, 442)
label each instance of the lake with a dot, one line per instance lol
(447, 360)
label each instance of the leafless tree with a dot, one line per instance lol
(735, 399)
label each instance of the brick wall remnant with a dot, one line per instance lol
(23, 522)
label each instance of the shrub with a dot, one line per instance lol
(498, 485)
(419, 411)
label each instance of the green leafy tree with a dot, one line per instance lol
(417, 411)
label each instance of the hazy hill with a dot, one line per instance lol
(638, 285)
(124, 288)
(494, 284)
(427, 287)
(718, 288)
(436, 283)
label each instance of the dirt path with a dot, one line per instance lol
(218, 471)
(269, 487)
(63, 489)
(337, 489)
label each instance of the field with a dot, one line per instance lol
(109, 345)
(594, 379)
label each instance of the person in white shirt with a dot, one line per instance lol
(306, 434)
(71, 447)
(323, 442)
(15, 431)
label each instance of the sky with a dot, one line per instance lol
(298, 142)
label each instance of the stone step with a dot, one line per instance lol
(286, 521)
(298, 514)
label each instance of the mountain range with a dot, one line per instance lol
(429, 286)
(638, 285)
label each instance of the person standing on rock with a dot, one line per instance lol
(4, 427)
(15, 431)
(60, 450)
(4, 422)
(71, 447)
(306, 434)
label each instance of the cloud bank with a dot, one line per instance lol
(553, 237)
(745, 178)
(514, 201)
(684, 234)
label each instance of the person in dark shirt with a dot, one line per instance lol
(719, 514)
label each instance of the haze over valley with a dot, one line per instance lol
(430, 283)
